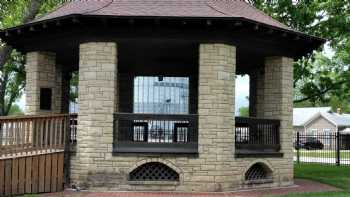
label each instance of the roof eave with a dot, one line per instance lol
(166, 17)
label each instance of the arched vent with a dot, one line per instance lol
(258, 173)
(153, 171)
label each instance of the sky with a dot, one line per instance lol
(242, 91)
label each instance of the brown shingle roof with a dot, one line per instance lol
(165, 8)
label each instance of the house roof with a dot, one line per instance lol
(165, 8)
(303, 115)
(338, 119)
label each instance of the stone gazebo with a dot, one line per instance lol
(157, 89)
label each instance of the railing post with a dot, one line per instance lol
(338, 149)
(298, 147)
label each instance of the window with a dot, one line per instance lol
(313, 132)
(161, 95)
(45, 98)
(328, 136)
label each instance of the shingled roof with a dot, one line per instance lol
(234, 16)
(164, 8)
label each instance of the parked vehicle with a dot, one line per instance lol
(309, 144)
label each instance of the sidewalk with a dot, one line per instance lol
(300, 186)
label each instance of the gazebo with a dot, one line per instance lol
(157, 89)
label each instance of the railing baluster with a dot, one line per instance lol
(26, 135)
(257, 134)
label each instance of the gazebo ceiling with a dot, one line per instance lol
(226, 21)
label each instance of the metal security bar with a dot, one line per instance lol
(161, 95)
(254, 134)
(155, 133)
(323, 148)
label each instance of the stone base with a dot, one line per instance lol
(113, 174)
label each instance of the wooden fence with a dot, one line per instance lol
(32, 153)
(32, 174)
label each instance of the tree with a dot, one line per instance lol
(318, 76)
(244, 111)
(15, 110)
(12, 74)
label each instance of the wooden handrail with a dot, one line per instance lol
(34, 134)
(34, 116)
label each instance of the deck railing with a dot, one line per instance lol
(253, 134)
(26, 135)
(155, 133)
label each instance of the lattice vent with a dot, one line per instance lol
(258, 172)
(154, 171)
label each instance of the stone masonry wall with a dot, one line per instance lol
(97, 103)
(214, 169)
(95, 167)
(42, 72)
(275, 86)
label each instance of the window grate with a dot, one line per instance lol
(154, 171)
(258, 172)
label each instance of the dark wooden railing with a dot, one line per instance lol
(155, 133)
(257, 135)
(25, 135)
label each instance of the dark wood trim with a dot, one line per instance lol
(146, 147)
(257, 154)
(126, 144)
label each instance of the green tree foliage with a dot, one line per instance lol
(319, 76)
(73, 93)
(15, 110)
(244, 111)
(12, 74)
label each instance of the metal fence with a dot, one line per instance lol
(324, 148)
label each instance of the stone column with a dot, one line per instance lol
(278, 104)
(42, 72)
(97, 103)
(217, 67)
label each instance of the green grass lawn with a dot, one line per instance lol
(331, 175)
(344, 154)
(337, 176)
(325, 194)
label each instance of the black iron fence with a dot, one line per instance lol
(324, 148)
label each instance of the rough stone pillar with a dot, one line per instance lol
(278, 104)
(42, 72)
(97, 103)
(217, 67)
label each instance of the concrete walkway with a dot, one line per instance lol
(325, 160)
(300, 186)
